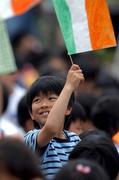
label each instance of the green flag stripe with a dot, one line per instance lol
(64, 18)
(7, 61)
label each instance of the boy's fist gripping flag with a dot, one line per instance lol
(9, 8)
(86, 24)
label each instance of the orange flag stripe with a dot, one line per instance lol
(116, 138)
(100, 26)
(20, 6)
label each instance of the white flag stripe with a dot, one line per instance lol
(5, 9)
(10, 8)
(80, 25)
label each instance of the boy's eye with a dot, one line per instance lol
(36, 100)
(52, 98)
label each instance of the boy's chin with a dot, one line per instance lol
(42, 122)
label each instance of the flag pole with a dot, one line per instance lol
(71, 60)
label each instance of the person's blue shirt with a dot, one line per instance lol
(55, 154)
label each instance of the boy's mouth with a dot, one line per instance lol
(45, 113)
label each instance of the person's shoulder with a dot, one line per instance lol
(31, 132)
(72, 135)
(30, 138)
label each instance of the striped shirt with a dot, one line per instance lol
(55, 154)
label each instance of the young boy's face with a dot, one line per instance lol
(41, 106)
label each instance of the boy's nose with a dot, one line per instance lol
(44, 103)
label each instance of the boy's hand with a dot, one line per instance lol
(74, 77)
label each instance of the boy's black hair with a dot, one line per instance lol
(45, 85)
(72, 171)
(77, 112)
(18, 160)
(100, 148)
(105, 114)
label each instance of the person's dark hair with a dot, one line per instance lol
(87, 100)
(5, 96)
(47, 70)
(106, 80)
(105, 114)
(77, 112)
(98, 147)
(17, 38)
(18, 160)
(46, 84)
(95, 132)
(22, 112)
(90, 65)
(82, 170)
(62, 55)
(37, 59)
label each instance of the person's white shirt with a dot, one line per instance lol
(15, 97)
(10, 129)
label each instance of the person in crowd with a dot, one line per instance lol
(73, 123)
(1, 107)
(82, 170)
(4, 95)
(105, 114)
(15, 92)
(102, 113)
(17, 162)
(7, 128)
(24, 118)
(49, 100)
(97, 146)
(87, 100)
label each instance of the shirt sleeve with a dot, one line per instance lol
(30, 139)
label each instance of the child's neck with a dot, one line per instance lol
(61, 135)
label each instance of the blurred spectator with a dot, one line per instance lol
(82, 170)
(17, 162)
(48, 70)
(24, 43)
(105, 114)
(24, 118)
(97, 146)
(7, 127)
(87, 100)
(4, 95)
(73, 123)
(58, 62)
(15, 93)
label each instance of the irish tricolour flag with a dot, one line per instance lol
(86, 24)
(9, 8)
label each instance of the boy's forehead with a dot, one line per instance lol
(40, 93)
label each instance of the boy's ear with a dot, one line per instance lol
(68, 111)
(31, 115)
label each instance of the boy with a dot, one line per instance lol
(49, 101)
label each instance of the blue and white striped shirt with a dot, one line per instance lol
(55, 154)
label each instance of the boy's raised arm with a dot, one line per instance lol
(55, 120)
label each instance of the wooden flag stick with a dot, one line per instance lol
(71, 59)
